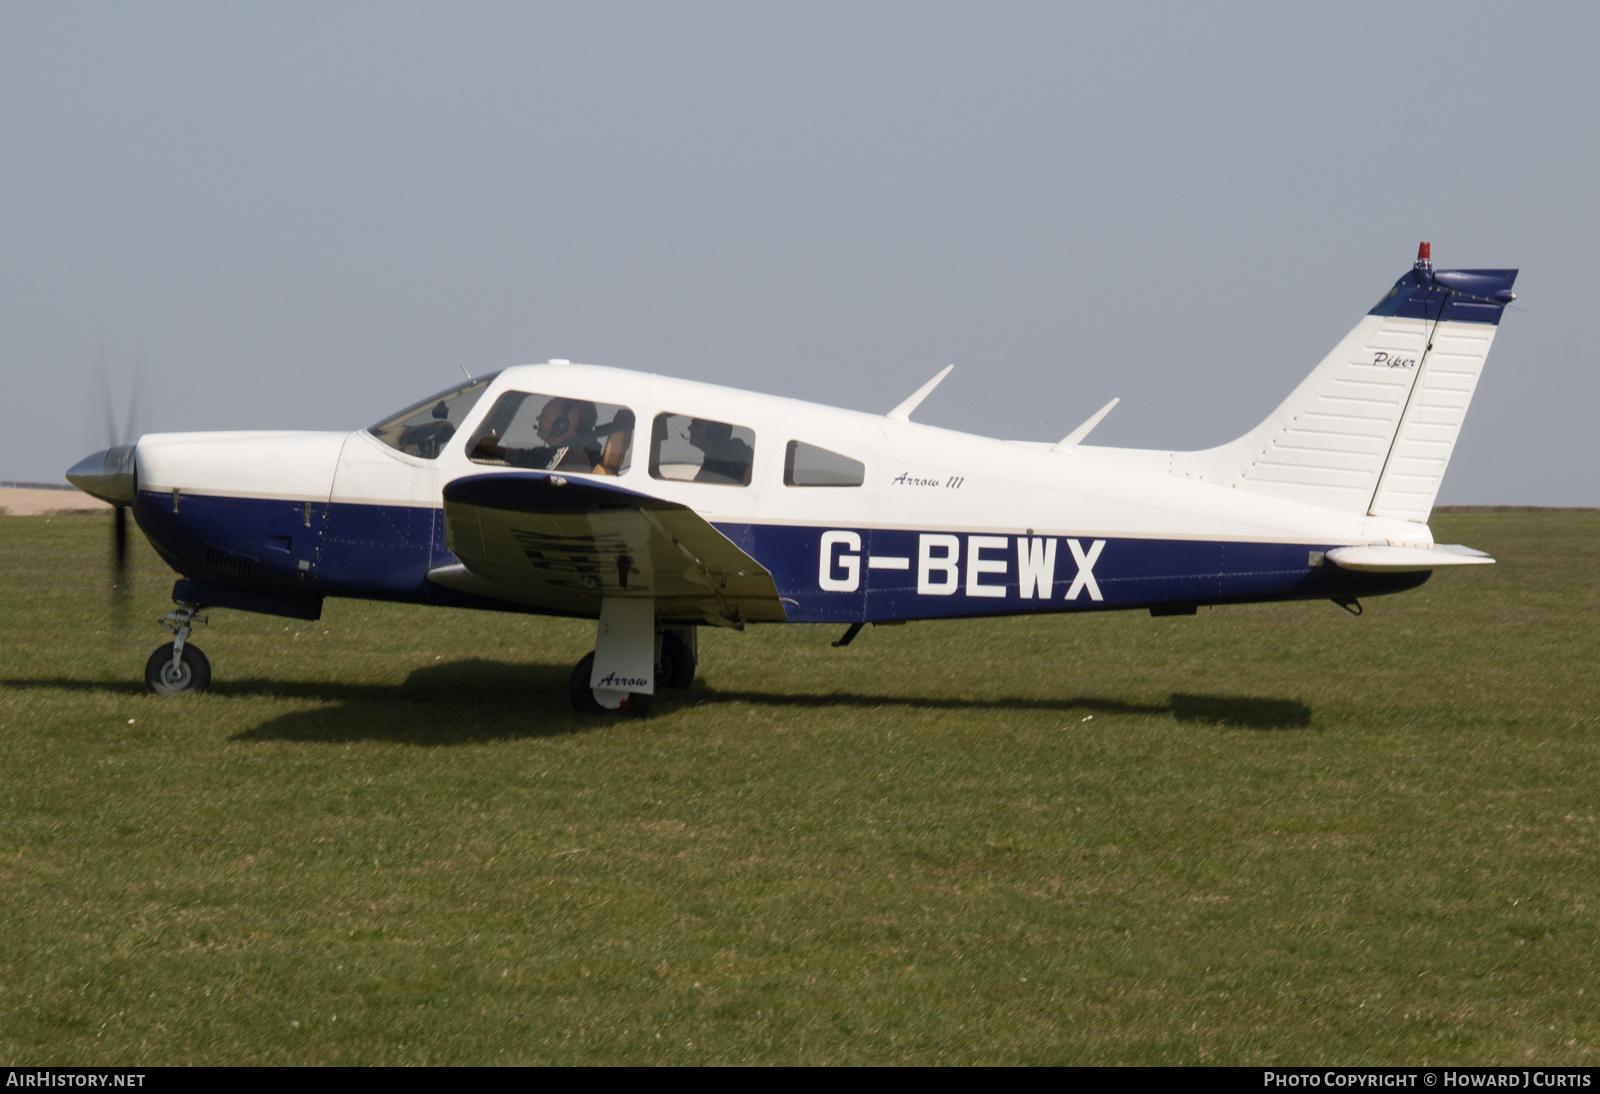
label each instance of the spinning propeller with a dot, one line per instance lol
(111, 475)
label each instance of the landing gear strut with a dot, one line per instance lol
(636, 659)
(179, 668)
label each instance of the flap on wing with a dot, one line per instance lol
(1380, 558)
(564, 542)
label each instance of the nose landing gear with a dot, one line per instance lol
(179, 668)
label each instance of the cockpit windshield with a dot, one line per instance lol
(424, 428)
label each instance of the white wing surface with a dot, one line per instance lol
(565, 542)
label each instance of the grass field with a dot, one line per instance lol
(1262, 834)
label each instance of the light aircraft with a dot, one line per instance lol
(657, 506)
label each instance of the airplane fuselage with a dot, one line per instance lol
(942, 523)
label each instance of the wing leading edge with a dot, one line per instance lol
(564, 543)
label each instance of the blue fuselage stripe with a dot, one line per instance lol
(929, 575)
(384, 552)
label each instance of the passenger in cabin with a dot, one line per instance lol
(564, 426)
(614, 439)
(727, 458)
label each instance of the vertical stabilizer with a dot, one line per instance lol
(1372, 428)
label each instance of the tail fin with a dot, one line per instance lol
(1372, 428)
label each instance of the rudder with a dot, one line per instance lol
(1372, 428)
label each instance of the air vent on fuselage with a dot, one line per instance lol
(229, 562)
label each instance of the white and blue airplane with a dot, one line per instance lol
(658, 506)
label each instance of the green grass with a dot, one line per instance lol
(1262, 834)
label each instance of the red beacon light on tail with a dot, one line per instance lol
(1424, 264)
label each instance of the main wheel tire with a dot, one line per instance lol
(677, 665)
(636, 705)
(191, 675)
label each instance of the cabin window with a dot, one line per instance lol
(808, 465)
(687, 449)
(424, 429)
(554, 433)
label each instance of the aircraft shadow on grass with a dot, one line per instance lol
(464, 702)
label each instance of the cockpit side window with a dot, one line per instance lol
(807, 465)
(554, 433)
(686, 449)
(423, 429)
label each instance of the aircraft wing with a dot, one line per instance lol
(562, 543)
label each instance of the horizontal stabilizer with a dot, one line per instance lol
(1380, 558)
(565, 543)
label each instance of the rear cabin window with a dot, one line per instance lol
(685, 449)
(424, 429)
(554, 433)
(807, 465)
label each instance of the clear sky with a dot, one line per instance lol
(307, 215)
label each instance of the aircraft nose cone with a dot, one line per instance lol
(108, 475)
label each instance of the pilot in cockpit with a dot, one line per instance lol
(563, 425)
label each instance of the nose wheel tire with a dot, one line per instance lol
(585, 700)
(190, 675)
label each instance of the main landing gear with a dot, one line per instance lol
(179, 668)
(634, 658)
